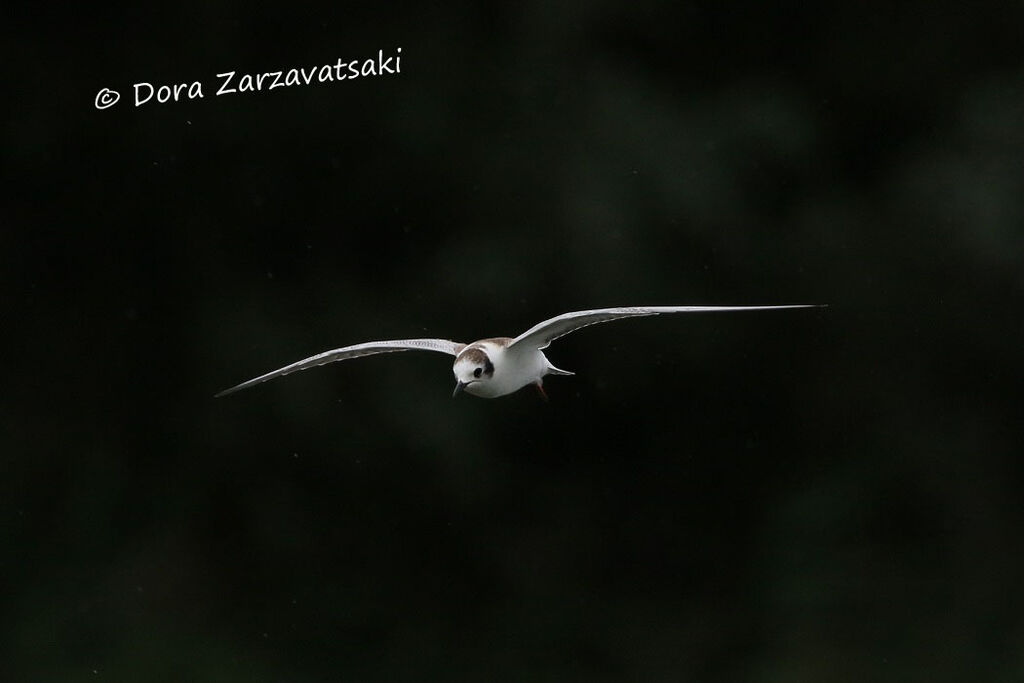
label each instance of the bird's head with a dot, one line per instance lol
(472, 369)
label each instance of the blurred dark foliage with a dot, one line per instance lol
(824, 496)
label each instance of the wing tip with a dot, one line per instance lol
(232, 390)
(782, 306)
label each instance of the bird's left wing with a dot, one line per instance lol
(354, 351)
(542, 334)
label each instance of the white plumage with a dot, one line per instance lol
(501, 365)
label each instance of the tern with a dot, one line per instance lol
(498, 366)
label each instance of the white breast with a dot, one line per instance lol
(513, 370)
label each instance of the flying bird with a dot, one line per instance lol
(497, 366)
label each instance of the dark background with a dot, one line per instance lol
(826, 495)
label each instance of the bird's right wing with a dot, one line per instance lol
(355, 351)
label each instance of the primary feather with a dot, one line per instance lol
(354, 351)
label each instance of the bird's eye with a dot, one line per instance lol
(476, 373)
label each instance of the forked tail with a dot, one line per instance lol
(552, 370)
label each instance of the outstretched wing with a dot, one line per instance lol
(355, 351)
(542, 334)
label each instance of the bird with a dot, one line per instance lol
(498, 366)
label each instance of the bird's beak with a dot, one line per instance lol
(459, 386)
